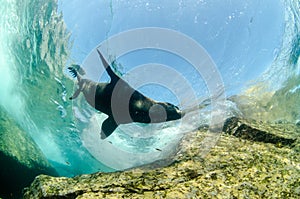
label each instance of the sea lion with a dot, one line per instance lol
(137, 107)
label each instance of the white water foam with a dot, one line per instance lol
(133, 145)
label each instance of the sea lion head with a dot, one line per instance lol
(172, 111)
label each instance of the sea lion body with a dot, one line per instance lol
(122, 103)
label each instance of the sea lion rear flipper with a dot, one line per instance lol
(78, 68)
(108, 127)
(114, 77)
(73, 71)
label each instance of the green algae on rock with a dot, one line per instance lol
(21, 159)
(234, 168)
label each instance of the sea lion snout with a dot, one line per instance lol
(163, 112)
(158, 113)
(172, 111)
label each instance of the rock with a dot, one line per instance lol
(240, 128)
(233, 168)
(21, 160)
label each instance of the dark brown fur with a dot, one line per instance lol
(122, 103)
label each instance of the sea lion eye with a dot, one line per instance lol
(173, 106)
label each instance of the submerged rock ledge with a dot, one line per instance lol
(236, 167)
(20, 158)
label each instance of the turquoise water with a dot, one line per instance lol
(254, 44)
(35, 47)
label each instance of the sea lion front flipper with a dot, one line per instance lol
(108, 127)
(114, 77)
(75, 95)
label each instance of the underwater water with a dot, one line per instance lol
(255, 46)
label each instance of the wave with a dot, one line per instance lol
(35, 47)
(273, 96)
